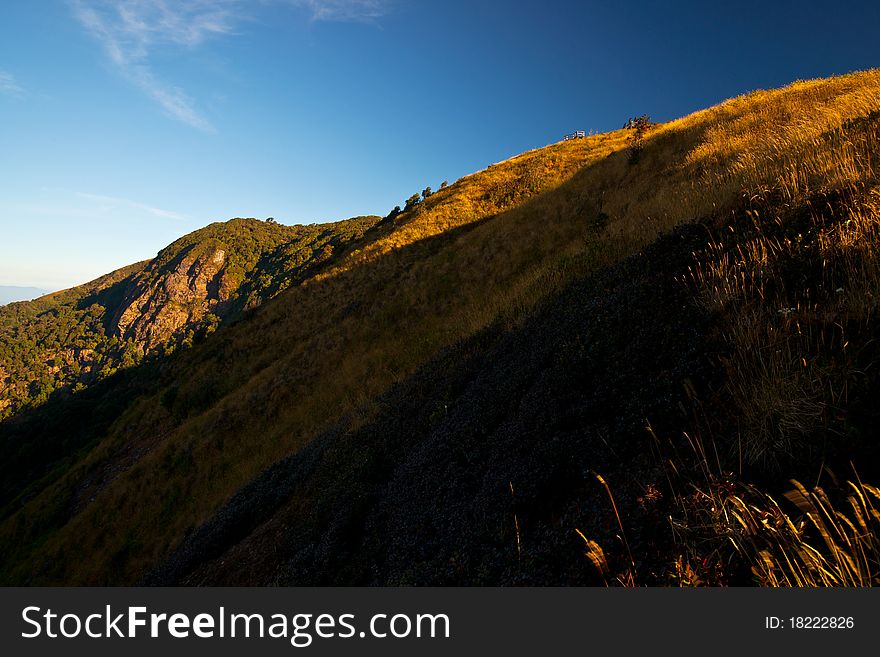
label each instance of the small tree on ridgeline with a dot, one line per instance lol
(412, 202)
(639, 126)
(427, 192)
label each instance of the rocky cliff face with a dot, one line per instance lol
(163, 300)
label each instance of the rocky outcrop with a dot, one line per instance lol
(162, 300)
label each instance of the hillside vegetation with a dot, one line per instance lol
(432, 403)
(65, 341)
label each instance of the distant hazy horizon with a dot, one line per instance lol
(12, 293)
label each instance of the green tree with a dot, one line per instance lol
(412, 202)
(639, 125)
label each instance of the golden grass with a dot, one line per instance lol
(596, 554)
(487, 248)
(815, 542)
(822, 546)
(791, 361)
(824, 537)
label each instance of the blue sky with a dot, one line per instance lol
(126, 124)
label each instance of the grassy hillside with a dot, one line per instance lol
(773, 290)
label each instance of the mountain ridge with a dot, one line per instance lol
(202, 279)
(784, 177)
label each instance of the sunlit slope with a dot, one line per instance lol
(485, 249)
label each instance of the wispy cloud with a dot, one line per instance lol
(132, 31)
(9, 86)
(115, 202)
(344, 10)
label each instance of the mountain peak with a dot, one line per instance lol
(187, 291)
